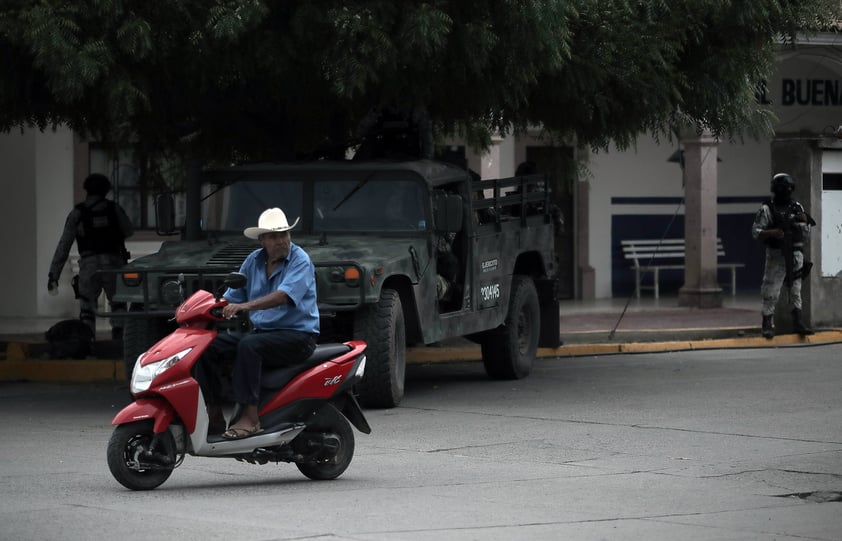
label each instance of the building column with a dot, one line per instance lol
(701, 288)
(587, 274)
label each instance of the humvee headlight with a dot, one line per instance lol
(171, 293)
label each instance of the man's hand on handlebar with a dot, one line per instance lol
(231, 310)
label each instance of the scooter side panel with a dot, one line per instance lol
(321, 381)
(183, 395)
(177, 384)
(146, 408)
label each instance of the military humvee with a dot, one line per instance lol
(407, 253)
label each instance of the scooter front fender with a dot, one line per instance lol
(147, 408)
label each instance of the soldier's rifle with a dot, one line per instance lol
(788, 223)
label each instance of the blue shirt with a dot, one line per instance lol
(295, 276)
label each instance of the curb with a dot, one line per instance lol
(17, 367)
(61, 370)
(432, 355)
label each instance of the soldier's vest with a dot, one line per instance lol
(782, 216)
(100, 231)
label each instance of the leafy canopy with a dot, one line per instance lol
(264, 79)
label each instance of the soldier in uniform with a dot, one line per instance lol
(99, 226)
(783, 225)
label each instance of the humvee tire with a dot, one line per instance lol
(508, 350)
(139, 334)
(382, 327)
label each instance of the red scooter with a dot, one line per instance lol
(306, 410)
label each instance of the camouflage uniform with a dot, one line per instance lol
(774, 273)
(91, 259)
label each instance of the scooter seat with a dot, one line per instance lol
(324, 352)
(275, 378)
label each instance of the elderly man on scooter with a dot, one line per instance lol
(280, 298)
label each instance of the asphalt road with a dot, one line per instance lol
(714, 444)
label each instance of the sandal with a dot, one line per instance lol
(238, 433)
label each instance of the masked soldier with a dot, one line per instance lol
(782, 224)
(99, 226)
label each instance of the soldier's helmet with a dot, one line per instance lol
(97, 184)
(783, 184)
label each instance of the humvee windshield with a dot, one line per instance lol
(338, 205)
(238, 206)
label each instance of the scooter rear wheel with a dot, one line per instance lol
(324, 468)
(131, 461)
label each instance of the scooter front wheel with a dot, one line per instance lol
(332, 431)
(133, 460)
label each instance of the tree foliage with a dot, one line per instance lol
(265, 79)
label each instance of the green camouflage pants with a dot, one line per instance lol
(774, 274)
(92, 284)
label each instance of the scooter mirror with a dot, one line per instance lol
(235, 280)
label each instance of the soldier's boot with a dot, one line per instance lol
(767, 330)
(798, 324)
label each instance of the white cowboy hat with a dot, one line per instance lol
(271, 221)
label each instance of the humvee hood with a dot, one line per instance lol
(230, 252)
(358, 249)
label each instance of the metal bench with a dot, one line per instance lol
(652, 255)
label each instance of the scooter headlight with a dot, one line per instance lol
(142, 376)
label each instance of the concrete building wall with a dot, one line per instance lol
(54, 199)
(37, 186)
(18, 224)
(640, 187)
(626, 183)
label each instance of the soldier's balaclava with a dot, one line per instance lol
(782, 186)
